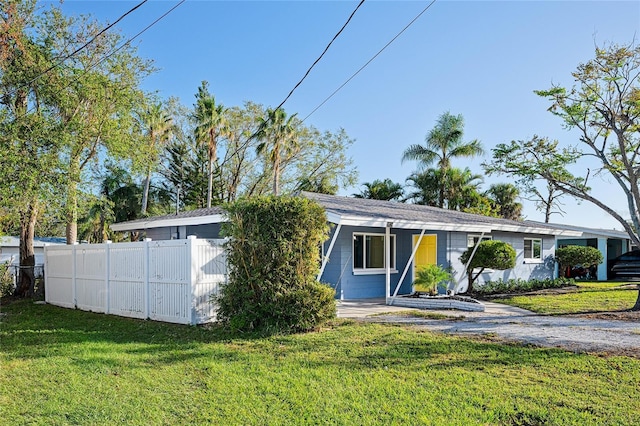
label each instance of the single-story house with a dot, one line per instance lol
(374, 247)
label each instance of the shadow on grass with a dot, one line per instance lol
(98, 341)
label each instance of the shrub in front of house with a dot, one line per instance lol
(570, 256)
(431, 277)
(273, 257)
(519, 285)
(490, 254)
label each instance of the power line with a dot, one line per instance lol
(370, 60)
(321, 55)
(107, 28)
(130, 39)
(137, 35)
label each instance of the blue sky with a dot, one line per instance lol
(481, 59)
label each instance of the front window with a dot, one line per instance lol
(368, 251)
(473, 239)
(533, 248)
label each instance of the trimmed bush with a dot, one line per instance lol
(578, 255)
(492, 254)
(273, 256)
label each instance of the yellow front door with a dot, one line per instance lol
(426, 253)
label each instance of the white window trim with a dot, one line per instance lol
(373, 271)
(485, 238)
(533, 260)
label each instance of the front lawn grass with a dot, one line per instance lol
(62, 366)
(589, 297)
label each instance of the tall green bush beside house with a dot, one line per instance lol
(273, 260)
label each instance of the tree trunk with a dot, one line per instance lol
(72, 206)
(276, 169)
(636, 307)
(26, 275)
(145, 193)
(210, 183)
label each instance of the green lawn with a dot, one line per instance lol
(590, 297)
(63, 366)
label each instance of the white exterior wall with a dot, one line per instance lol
(169, 281)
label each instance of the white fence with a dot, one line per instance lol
(169, 281)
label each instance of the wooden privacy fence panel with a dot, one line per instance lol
(170, 281)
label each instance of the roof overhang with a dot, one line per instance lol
(160, 223)
(378, 222)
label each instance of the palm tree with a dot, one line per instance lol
(386, 190)
(210, 122)
(443, 143)
(454, 189)
(503, 196)
(158, 127)
(277, 133)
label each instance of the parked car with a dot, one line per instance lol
(626, 265)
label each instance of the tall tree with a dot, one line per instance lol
(548, 199)
(381, 190)
(317, 163)
(157, 128)
(442, 144)
(29, 138)
(603, 106)
(100, 93)
(454, 189)
(504, 198)
(210, 121)
(185, 170)
(277, 135)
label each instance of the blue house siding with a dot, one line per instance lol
(524, 269)
(339, 271)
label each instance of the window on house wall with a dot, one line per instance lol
(473, 239)
(533, 249)
(368, 252)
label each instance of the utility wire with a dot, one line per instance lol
(107, 28)
(129, 40)
(321, 55)
(137, 35)
(370, 60)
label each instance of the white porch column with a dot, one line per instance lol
(387, 259)
(466, 266)
(325, 258)
(406, 268)
(602, 268)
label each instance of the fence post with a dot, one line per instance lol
(107, 267)
(147, 310)
(74, 274)
(192, 277)
(44, 273)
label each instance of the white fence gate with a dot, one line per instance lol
(169, 281)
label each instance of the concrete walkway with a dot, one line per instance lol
(511, 324)
(366, 307)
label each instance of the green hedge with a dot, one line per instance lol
(521, 286)
(273, 256)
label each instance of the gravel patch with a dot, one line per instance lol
(573, 333)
